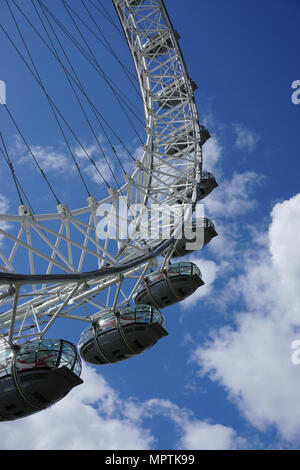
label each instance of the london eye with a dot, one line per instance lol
(113, 263)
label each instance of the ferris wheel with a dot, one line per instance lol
(111, 263)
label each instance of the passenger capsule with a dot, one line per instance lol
(182, 143)
(160, 43)
(199, 234)
(171, 95)
(204, 135)
(36, 375)
(207, 184)
(173, 284)
(186, 187)
(122, 335)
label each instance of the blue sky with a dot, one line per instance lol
(223, 378)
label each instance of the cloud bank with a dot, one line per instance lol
(252, 359)
(94, 416)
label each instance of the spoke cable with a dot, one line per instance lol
(70, 129)
(95, 64)
(96, 110)
(49, 101)
(77, 98)
(10, 165)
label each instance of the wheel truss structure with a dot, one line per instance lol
(75, 264)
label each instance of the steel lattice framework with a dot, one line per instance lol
(70, 266)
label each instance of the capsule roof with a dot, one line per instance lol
(122, 335)
(45, 353)
(128, 315)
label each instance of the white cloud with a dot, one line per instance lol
(88, 418)
(48, 158)
(4, 207)
(93, 416)
(245, 139)
(192, 433)
(252, 360)
(253, 363)
(200, 435)
(88, 150)
(51, 160)
(284, 250)
(4, 204)
(224, 246)
(212, 151)
(233, 197)
(102, 173)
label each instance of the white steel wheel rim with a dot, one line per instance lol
(31, 302)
